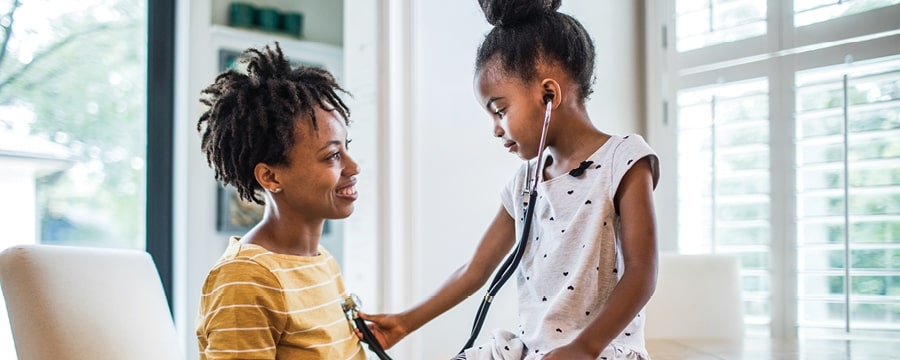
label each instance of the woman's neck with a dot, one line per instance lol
(281, 235)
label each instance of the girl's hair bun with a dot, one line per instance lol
(506, 13)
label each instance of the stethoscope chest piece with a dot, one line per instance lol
(351, 305)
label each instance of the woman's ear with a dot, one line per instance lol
(267, 177)
(551, 92)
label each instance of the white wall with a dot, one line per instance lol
(197, 245)
(432, 171)
(17, 186)
(617, 29)
(659, 131)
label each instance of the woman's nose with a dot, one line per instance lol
(351, 167)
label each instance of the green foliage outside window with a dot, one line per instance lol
(81, 77)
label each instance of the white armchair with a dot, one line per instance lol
(86, 303)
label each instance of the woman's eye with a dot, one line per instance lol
(335, 156)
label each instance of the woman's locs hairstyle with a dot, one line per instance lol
(527, 33)
(251, 115)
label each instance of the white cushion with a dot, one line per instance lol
(86, 303)
(696, 297)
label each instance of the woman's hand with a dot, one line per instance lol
(387, 328)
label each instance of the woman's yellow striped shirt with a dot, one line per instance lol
(257, 304)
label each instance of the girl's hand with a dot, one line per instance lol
(387, 328)
(569, 352)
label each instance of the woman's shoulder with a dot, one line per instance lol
(240, 258)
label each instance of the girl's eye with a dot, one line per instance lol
(500, 113)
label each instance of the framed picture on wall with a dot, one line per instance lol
(228, 59)
(236, 215)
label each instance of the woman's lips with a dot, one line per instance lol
(348, 192)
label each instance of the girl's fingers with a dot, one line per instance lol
(365, 316)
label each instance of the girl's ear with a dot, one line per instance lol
(266, 177)
(551, 92)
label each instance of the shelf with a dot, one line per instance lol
(322, 20)
(254, 38)
(327, 56)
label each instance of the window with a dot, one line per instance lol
(808, 12)
(73, 129)
(723, 179)
(848, 196)
(706, 22)
(786, 132)
(73, 94)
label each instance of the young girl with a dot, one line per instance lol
(279, 136)
(590, 262)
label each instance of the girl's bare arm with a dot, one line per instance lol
(497, 241)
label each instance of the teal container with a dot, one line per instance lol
(268, 19)
(292, 24)
(241, 15)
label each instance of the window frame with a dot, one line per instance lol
(161, 19)
(776, 55)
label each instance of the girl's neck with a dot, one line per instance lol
(575, 140)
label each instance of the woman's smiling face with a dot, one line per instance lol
(319, 178)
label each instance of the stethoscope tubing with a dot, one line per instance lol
(512, 261)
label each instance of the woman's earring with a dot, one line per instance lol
(275, 190)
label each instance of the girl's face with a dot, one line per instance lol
(319, 179)
(516, 109)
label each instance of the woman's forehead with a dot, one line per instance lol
(327, 123)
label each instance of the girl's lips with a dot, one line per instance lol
(511, 146)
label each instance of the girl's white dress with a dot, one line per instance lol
(572, 260)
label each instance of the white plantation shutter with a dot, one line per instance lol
(723, 181)
(848, 196)
(783, 119)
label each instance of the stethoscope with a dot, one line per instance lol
(529, 192)
(351, 304)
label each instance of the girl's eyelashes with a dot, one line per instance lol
(500, 113)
